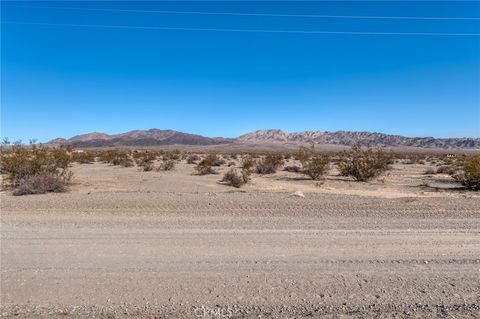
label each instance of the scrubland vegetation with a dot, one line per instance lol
(467, 172)
(364, 164)
(37, 169)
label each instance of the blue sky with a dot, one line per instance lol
(67, 77)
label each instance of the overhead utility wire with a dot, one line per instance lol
(250, 14)
(242, 30)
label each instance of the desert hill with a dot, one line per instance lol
(156, 137)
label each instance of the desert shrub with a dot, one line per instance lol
(193, 159)
(316, 167)
(144, 158)
(167, 165)
(236, 177)
(269, 164)
(85, 157)
(174, 155)
(430, 171)
(206, 165)
(445, 169)
(147, 166)
(363, 165)
(293, 169)
(412, 158)
(22, 162)
(116, 157)
(218, 162)
(265, 168)
(248, 164)
(304, 153)
(41, 184)
(123, 160)
(21, 166)
(467, 172)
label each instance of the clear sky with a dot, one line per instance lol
(71, 71)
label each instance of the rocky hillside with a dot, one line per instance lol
(363, 138)
(152, 137)
(155, 137)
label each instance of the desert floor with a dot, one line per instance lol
(125, 243)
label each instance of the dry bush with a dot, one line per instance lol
(467, 172)
(363, 165)
(248, 164)
(167, 165)
(116, 157)
(269, 164)
(175, 155)
(236, 178)
(304, 153)
(218, 161)
(430, 171)
(293, 169)
(445, 169)
(316, 167)
(412, 158)
(83, 157)
(144, 158)
(41, 184)
(206, 165)
(28, 168)
(193, 159)
(147, 166)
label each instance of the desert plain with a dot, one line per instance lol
(125, 243)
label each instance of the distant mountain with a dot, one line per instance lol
(347, 138)
(152, 137)
(156, 137)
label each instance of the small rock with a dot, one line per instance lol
(298, 194)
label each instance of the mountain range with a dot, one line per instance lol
(157, 137)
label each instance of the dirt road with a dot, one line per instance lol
(219, 257)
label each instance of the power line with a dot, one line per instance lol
(242, 30)
(250, 14)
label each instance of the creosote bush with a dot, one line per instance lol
(316, 167)
(293, 169)
(174, 155)
(41, 184)
(116, 157)
(430, 171)
(144, 159)
(167, 165)
(35, 169)
(269, 164)
(83, 157)
(467, 172)
(363, 164)
(193, 159)
(445, 169)
(206, 165)
(237, 178)
(248, 164)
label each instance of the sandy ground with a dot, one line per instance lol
(124, 243)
